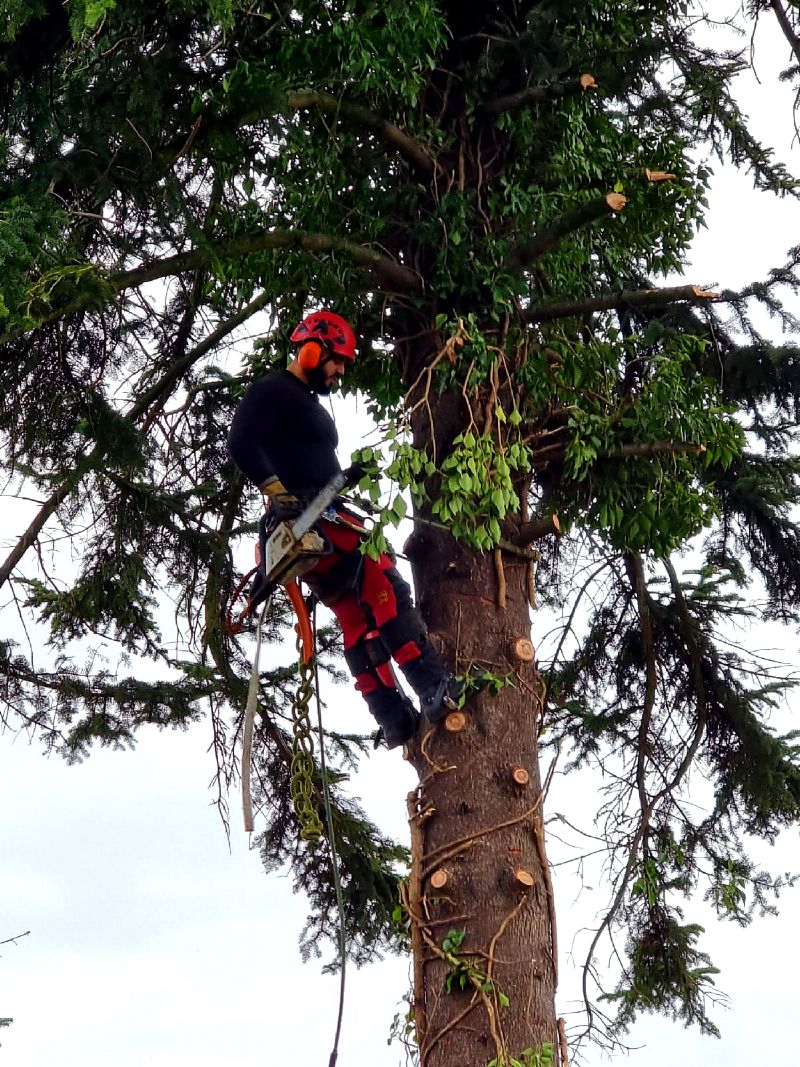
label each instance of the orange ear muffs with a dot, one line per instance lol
(309, 355)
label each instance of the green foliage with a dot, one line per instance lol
(464, 973)
(541, 1056)
(666, 973)
(402, 924)
(641, 454)
(15, 15)
(87, 14)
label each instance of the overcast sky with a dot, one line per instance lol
(151, 943)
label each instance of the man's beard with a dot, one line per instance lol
(317, 381)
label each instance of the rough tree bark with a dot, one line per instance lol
(478, 852)
(476, 825)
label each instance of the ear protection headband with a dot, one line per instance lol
(310, 355)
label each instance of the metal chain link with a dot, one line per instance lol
(302, 782)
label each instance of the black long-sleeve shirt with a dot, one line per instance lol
(281, 429)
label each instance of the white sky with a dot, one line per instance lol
(153, 944)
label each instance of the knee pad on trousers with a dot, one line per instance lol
(366, 656)
(406, 627)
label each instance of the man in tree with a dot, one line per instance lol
(502, 186)
(284, 441)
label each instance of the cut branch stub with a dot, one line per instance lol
(616, 201)
(537, 529)
(524, 650)
(439, 879)
(587, 81)
(658, 175)
(525, 878)
(455, 722)
(520, 775)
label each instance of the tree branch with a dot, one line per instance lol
(650, 448)
(177, 368)
(540, 94)
(788, 30)
(43, 514)
(626, 298)
(92, 460)
(388, 272)
(411, 149)
(537, 529)
(689, 633)
(523, 255)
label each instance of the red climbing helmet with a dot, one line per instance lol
(329, 328)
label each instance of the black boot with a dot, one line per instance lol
(395, 715)
(439, 691)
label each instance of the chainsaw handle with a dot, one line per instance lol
(303, 621)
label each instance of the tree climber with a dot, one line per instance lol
(284, 441)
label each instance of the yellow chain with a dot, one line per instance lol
(301, 786)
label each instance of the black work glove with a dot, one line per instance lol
(355, 472)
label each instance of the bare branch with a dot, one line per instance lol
(386, 273)
(786, 26)
(523, 255)
(37, 524)
(90, 461)
(540, 94)
(537, 529)
(390, 133)
(13, 940)
(626, 298)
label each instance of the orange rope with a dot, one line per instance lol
(303, 622)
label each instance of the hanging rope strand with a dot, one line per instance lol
(249, 721)
(334, 856)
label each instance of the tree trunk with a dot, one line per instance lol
(478, 858)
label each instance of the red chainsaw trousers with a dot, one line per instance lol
(377, 597)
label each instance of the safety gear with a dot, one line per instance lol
(272, 486)
(439, 692)
(355, 472)
(310, 355)
(395, 715)
(407, 633)
(284, 505)
(334, 332)
(446, 697)
(366, 657)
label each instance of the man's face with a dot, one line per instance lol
(334, 369)
(325, 377)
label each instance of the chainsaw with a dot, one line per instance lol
(294, 546)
